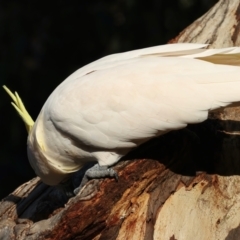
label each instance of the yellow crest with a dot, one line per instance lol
(20, 108)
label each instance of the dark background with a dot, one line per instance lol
(41, 44)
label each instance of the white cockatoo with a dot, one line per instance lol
(112, 105)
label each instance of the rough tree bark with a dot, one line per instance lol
(184, 185)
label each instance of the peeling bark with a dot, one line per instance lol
(183, 185)
(219, 27)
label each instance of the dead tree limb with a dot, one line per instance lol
(183, 185)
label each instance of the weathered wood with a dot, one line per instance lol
(219, 27)
(184, 185)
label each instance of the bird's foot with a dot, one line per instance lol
(96, 171)
(67, 187)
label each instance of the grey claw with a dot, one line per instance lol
(113, 173)
(76, 190)
(97, 172)
(67, 188)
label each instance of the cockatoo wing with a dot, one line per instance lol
(125, 99)
(187, 50)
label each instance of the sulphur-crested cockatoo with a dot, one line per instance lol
(112, 105)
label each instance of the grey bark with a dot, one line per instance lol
(184, 185)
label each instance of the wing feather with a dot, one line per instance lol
(122, 106)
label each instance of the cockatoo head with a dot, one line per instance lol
(39, 159)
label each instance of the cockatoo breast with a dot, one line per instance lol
(52, 155)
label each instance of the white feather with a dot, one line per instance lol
(106, 108)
